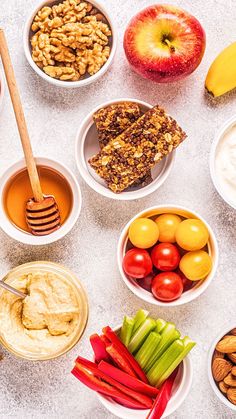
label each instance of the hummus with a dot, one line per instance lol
(46, 321)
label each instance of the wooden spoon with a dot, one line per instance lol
(42, 213)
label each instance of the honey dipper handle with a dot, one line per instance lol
(20, 119)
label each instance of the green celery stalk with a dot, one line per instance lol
(160, 325)
(147, 349)
(139, 318)
(126, 330)
(169, 335)
(165, 362)
(188, 345)
(141, 334)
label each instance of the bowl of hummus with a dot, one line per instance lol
(52, 317)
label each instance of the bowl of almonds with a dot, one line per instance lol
(222, 366)
(70, 43)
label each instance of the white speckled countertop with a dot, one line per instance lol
(48, 390)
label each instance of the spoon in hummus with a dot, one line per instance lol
(12, 290)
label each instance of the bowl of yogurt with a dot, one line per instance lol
(50, 320)
(223, 162)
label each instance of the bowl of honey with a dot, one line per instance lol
(15, 190)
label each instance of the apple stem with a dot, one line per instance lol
(168, 43)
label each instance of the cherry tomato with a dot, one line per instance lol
(137, 263)
(167, 224)
(196, 265)
(143, 233)
(167, 286)
(146, 283)
(165, 257)
(192, 234)
(187, 284)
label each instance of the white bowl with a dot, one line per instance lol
(221, 396)
(28, 238)
(87, 145)
(200, 286)
(68, 84)
(220, 134)
(180, 391)
(2, 88)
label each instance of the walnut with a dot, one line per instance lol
(70, 10)
(72, 34)
(97, 57)
(41, 50)
(40, 18)
(62, 73)
(61, 53)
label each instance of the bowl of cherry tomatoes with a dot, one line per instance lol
(167, 255)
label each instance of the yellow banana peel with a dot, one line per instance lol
(221, 76)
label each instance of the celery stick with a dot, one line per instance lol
(139, 318)
(141, 334)
(165, 362)
(188, 345)
(160, 325)
(147, 349)
(126, 330)
(169, 335)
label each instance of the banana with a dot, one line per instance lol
(221, 76)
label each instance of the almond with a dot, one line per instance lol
(220, 368)
(233, 371)
(217, 354)
(230, 380)
(231, 394)
(233, 332)
(232, 357)
(227, 345)
(223, 387)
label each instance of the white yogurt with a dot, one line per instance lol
(225, 164)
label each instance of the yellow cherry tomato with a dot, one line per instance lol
(196, 265)
(191, 234)
(143, 233)
(167, 224)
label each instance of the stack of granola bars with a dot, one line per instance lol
(132, 143)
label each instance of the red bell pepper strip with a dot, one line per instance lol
(105, 340)
(127, 380)
(108, 332)
(97, 385)
(93, 368)
(120, 361)
(163, 397)
(128, 404)
(99, 348)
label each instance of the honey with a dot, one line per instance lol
(18, 190)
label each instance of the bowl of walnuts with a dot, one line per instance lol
(70, 43)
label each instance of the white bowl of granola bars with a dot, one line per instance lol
(70, 43)
(99, 131)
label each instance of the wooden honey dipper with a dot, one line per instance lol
(42, 213)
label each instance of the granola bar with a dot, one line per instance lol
(130, 155)
(112, 120)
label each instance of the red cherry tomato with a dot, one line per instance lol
(167, 286)
(165, 257)
(137, 263)
(146, 283)
(186, 282)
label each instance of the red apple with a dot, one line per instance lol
(164, 43)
